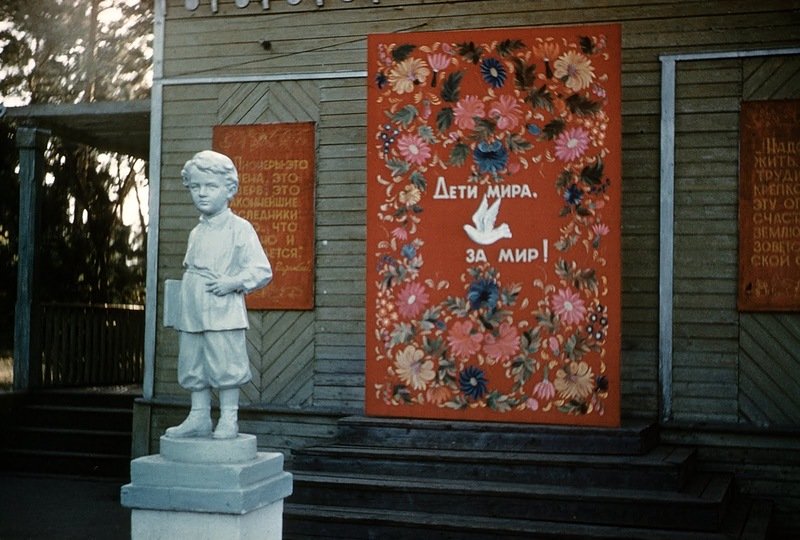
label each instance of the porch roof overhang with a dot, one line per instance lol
(114, 126)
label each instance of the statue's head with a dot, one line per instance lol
(211, 162)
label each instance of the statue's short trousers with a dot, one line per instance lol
(216, 359)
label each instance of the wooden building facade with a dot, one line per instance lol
(724, 381)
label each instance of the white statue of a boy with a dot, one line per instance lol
(224, 261)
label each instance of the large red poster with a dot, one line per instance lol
(493, 225)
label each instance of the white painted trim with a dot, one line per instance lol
(273, 77)
(667, 218)
(727, 55)
(154, 202)
(192, 5)
(151, 278)
(666, 235)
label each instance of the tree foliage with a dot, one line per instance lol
(71, 51)
(68, 51)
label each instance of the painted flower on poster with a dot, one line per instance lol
(488, 343)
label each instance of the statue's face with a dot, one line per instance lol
(210, 192)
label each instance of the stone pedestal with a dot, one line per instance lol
(207, 489)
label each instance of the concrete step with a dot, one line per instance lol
(302, 522)
(70, 432)
(665, 467)
(76, 416)
(83, 464)
(71, 440)
(397, 478)
(700, 506)
(633, 437)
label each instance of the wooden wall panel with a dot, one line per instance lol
(706, 169)
(305, 38)
(728, 366)
(341, 233)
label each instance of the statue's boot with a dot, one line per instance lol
(198, 423)
(228, 425)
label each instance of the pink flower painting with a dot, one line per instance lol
(463, 340)
(505, 344)
(506, 112)
(571, 144)
(414, 149)
(568, 306)
(412, 300)
(467, 110)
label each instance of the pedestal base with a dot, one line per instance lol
(264, 523)
(207, 489)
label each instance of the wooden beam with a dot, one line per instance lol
(116, 126)
(31, 143)
(104, 110)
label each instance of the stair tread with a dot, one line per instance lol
(77, 408)
(397, 474)
(758, 519)
(10, 450)
(664, 455)
(706, 489)
(76, 431)
(628, 439)
(626, 428)
(493, 526)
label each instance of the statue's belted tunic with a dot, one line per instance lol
(213, 350)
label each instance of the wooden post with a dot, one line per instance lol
(31, 142)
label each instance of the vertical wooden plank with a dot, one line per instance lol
(79, 347)
(57, 334)
(115, 343)
(666, 235)
(94, 352)
(31, 143)
(110, 348)
(47, 368)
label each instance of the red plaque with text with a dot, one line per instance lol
(769, 206)
(276, 170)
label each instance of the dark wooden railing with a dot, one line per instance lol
(91, 345)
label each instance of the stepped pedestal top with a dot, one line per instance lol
(207, 450)
(207, 475)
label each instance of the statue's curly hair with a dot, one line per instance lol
(213, 162)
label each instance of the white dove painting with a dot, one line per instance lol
(484, 232)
